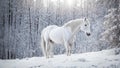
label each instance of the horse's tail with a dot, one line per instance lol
(43, 45)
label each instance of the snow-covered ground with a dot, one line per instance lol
(102, 59)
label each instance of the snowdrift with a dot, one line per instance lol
(102, 59)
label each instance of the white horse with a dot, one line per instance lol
(64, 35)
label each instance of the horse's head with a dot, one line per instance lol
(86, 27)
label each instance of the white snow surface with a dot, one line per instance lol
(101, 59)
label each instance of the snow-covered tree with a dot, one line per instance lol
(112, 23)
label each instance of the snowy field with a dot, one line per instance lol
(102, 59)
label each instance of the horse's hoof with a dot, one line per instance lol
(47, 57)
(51, 56)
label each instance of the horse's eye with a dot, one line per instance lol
(85, 24)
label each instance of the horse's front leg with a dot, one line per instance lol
(70, 48)
(71, 44)
(67, 48)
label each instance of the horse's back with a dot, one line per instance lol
(48, 28)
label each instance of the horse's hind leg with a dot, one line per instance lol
(51, 50)
(47, 50)
(43, 45)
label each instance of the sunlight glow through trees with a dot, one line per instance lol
(34, 0)
(69, 3)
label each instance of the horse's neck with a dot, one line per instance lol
(73, 26)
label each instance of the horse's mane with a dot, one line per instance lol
(69, 23)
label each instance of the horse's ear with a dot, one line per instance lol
(85, 18)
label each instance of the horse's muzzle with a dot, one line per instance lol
(88, 34)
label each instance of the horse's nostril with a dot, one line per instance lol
(88, 34)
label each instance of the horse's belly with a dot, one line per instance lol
(59, 34)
